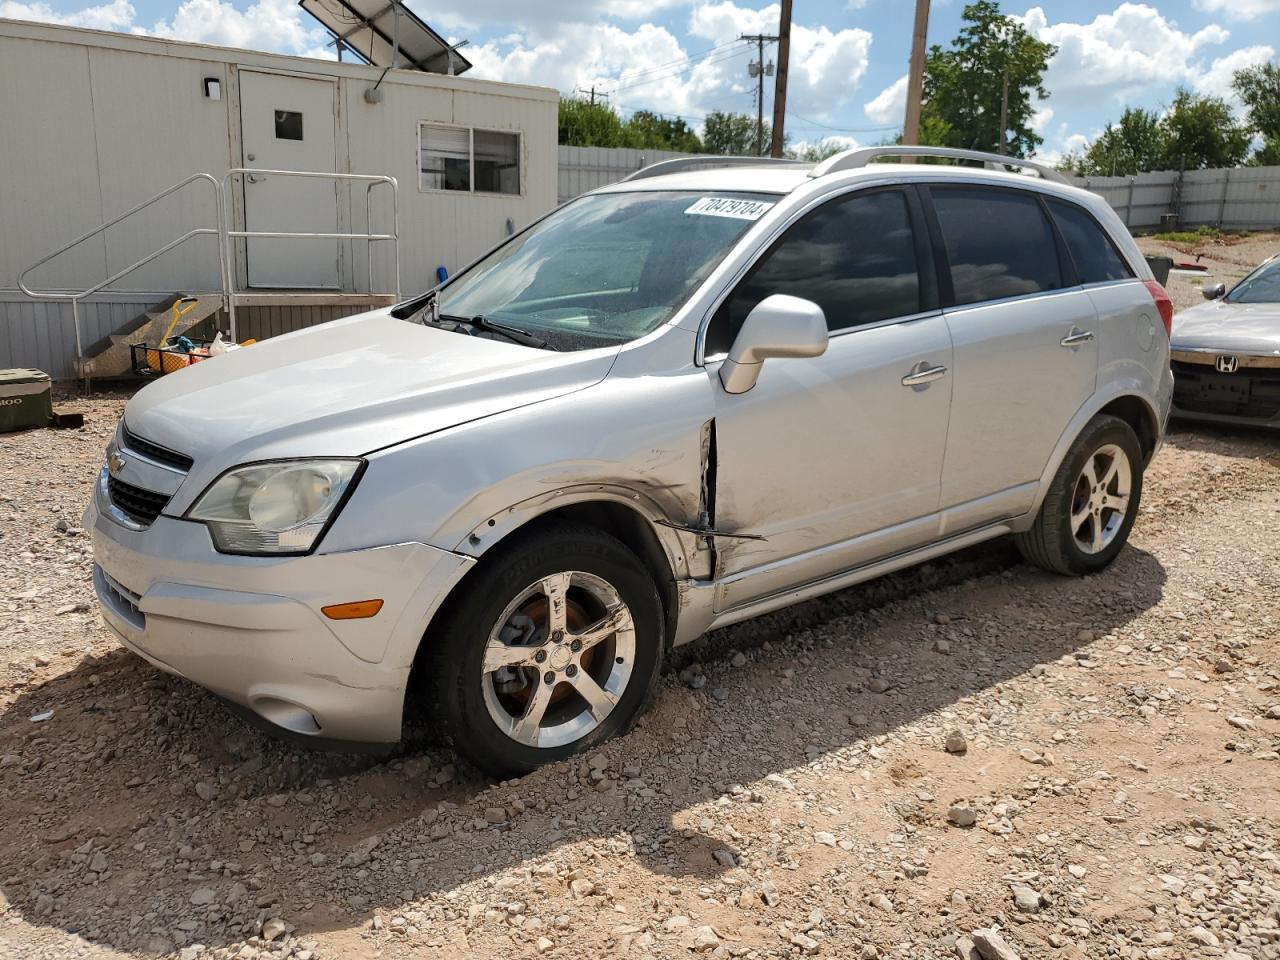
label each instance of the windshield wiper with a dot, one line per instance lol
(514, 334)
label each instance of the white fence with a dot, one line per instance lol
(1240, 198)
(586, 168)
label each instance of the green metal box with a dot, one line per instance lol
(25, 400)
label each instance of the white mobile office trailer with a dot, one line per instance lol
(96, 123)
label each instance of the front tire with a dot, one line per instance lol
(1092, 502)
(552, 647)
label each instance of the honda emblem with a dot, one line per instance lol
(1227, 364)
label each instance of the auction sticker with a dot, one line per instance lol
(737, 208)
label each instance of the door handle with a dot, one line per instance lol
(1077, 337)
(921, 376)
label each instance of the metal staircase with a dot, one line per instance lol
(109, 357)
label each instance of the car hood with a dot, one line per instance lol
(347, 388)
(1250, 328)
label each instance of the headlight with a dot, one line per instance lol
(278, 507)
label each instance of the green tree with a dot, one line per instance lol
(1137, 143)
(1201, 132)
(732, 134)
(646, 130)
(993, 69)
(819, 151)
(1259, 90)
(1267, 155)
(586, 124)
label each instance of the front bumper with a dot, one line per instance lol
(250, 628)
(1247, 395)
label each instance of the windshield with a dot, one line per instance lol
(1261, 286)
(606, 268)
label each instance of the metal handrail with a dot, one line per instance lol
(859, 157)
(370, 180)
(222, 230)
(74, 298)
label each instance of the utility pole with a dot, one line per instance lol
(1004, 114)
(592, 92)
(759, 71)
(780, 82)
(915, 74)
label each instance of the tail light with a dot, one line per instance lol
(1163, 304)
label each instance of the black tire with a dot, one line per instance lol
(457, 646)
(1051, 542)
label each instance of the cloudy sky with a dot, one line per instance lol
(682, 56)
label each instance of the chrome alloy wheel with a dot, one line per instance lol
(1100, 501)
(558, 659)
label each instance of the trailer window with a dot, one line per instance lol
(469, 160)
(288, 125)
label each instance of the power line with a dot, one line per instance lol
(633, 74)
(824, 126)
(675, 73)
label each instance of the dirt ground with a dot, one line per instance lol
(1229, 258)
(1088, 767)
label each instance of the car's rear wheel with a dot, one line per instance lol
(1091, 504)
(552, 648)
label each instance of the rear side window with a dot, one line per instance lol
(854, 257)
(1091, 249)
(998, 242)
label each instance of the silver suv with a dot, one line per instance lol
(674, 403)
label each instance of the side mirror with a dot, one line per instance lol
(1212, 291)
(778, 326)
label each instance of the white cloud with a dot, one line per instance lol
(275, 25)
(1216, 80)
(1131, 49)
(835, 142)
(1041, 116)
(581, 56)
(116, 15)
(279, 26)
(648, 67)
(890, 104)
(826, 65)
(1062, 144)
(1240, 9)
(541, 18)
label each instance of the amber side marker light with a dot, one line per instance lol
(358, 610)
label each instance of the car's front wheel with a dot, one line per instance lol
(552, 648)
(1091, 504)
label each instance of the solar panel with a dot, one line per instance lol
(374, 29)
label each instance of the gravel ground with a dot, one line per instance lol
(971, 759)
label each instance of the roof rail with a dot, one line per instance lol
(860, 157)
(681, 164)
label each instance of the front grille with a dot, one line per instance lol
(140, 506)
(1251, 392)
(153, 451)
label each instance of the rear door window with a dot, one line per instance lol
(1092, 251)
(999, 243)
(855, 257)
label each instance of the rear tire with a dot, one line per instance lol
(552, 647)
(1091, 504)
